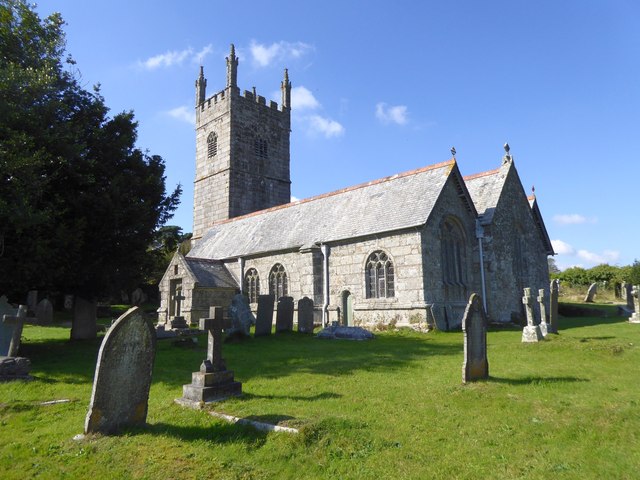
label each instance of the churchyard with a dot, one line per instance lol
(392, 407)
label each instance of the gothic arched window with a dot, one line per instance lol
(252, 285)
(212, 145)
(278, 284)
(379, 276)
(453, 260)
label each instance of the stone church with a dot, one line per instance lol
(412, 249)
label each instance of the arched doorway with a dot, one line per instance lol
(347, 309)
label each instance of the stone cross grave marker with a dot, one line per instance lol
(178, 320)
(553, 304)
(635, 293)
(591, 293)
(305, 315)
(265, 315)
(474, 328)
(213, 382)
(11, 323)
(284, 315)
(120, 395)
(531, 332)
(544, 326)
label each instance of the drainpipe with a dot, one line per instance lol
(480, 236)
(241, 266)
(324, 248)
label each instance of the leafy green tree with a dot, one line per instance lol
(79, 203)
(634, 273)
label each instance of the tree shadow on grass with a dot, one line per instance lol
(216, 433)
(310, 398)
(531, 380)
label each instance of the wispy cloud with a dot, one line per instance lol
(303, 99)
(573, 219)
(263, 55)
(325, 126)
(175, 57)
(562, 248)
(184, 114)
(303, 104)
(608, 256)
(572, 257)
(397, 114)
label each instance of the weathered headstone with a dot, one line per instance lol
(265, 315)
(623, 290)
(138, 297)
(14, 368)
(83, 325)
(44, 312)
(591, 293)
(628, 296)
(305, 315)
(553, 306)
(68, 302)
(544, 326)
(213, 382)
(531, 332)
(635, 293)
(284, 315)
(122, 380)
(474, 327)
(32, 301)
(11, 323)
(241, 316)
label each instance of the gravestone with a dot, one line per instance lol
(44, 312)
(544, 326)
(553, 306)
(591, 293)
(241, 316)
(32, 301)
(623, 291)
(635, 293)
(11, 323)
(474, 328)
(68, 302)
(14, 368)
(213, 382)
(138, 297)
(264, 321)
(531, 332)
(178, 321)
(284, 315)
(83, 325)
(305, 315)
(122, 380)
(628, 296)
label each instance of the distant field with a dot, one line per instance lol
(393, 407)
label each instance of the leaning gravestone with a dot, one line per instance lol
(121, 384)
(591, 293)
(44, 312)
(241, 316)
(553, 304)
(635, 293)
(11, 323)
(284, 315)
(544, 326)
(265, 315)
(305, 315)
(474, 328)
(531, 332)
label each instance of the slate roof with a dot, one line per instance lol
(210, 273)
(485, 189)
(389, 204)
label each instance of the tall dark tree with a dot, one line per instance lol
(79, 202)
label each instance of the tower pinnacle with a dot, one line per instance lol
(285, 86)
(232, 68)
(201, 88)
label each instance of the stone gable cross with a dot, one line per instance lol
(214, 361)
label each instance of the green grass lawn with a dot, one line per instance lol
(393, 407)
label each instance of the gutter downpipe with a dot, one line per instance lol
(324, 248)
(480, 236)
(241, 266)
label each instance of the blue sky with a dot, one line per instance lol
(386, 87)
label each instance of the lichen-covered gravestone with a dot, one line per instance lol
(122, 381)
(591, 293)
(474, 328)
(531, 332)
(284, 315)
(241, 316)
(635, 293)
(553, 304)
(305, 315)
(264, 320)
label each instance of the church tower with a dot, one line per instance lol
(242, 151)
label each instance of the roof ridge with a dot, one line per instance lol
(395, 176)
(482, 174)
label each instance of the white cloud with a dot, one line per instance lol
(200, 56)
(303, 99)
(562, 248)
(397, 114)
(573, 219)
(608, 256)
(166, 59)
(329, 128)
(264, 55)
(294, 199)
(184, 114)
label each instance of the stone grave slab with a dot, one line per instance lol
(122, 380)
(284, 315)
(305, 315)
(264, 321)
(474, 328)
